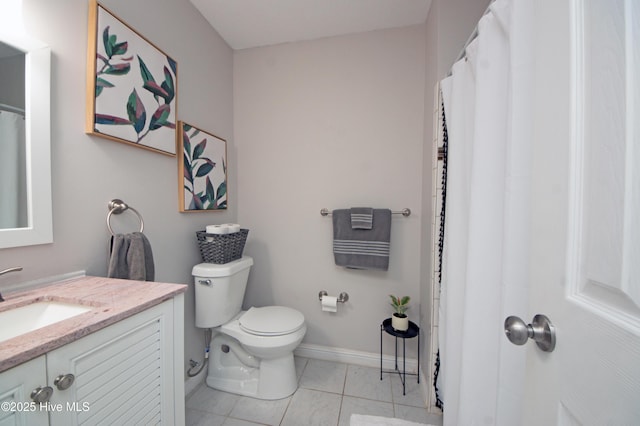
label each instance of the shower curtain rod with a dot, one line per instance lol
(472, 37)
(9, 108)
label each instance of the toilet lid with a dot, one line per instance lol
(271, 320)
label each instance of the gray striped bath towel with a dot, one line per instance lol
(362, 248)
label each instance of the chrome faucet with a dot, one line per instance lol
(6, 271)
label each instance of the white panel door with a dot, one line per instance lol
(585, 258)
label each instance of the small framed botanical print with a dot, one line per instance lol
(202, 171)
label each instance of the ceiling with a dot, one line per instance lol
(252, 23)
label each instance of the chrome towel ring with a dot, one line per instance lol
(117, 206)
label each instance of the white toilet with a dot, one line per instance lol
(251, 352)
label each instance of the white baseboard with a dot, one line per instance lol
(348, 356)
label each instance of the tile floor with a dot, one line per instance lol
(328, 393)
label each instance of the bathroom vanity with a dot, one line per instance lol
(118, 361)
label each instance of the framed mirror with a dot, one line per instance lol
(27, 216)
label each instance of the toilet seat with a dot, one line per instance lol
(271, 321)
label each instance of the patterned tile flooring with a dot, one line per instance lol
(328, 393)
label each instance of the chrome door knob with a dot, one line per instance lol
(41, 394)
(540, 330)
(64, 381)
(517, 331)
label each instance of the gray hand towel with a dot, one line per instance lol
(361, 217)
(131, 257)
(362, 248)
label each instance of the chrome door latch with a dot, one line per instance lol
(540, 330)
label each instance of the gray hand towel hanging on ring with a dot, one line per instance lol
(131, 257)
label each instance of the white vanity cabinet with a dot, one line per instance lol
(127, 373)
(16, 385)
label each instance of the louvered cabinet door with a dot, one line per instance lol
(122, 374)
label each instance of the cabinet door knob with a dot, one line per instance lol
(64, 381)
(41, 394)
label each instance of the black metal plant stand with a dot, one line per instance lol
(411, 332)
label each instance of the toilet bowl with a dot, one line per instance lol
(268, 332)
(261, 365)
(251, 351)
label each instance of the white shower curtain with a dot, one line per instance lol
(487, 103)
(12, 170)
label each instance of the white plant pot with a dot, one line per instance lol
(399, 323)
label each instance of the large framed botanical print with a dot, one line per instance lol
(131, 85)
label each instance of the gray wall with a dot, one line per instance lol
(332, 123)
(88, 171)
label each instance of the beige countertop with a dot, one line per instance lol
(111, 299)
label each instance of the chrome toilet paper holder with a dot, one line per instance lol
(342, 298)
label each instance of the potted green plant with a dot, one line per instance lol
(399, 319)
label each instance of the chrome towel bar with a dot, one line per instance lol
(404, 212)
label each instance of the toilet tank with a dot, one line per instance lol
(219, 290)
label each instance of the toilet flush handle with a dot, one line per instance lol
(205, 282)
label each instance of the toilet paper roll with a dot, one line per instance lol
(329, 304)
(233, 227)
(217, 229)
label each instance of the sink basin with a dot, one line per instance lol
(36, 315)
